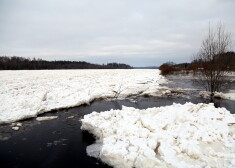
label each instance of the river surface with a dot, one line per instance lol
(61, 142)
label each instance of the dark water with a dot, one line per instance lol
(61, 143)
(181, 82)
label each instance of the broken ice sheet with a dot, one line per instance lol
(25, 94)
(172, 136)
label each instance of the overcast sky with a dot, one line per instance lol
(136, 32)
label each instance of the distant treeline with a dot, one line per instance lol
(21, 63)
(225, 60)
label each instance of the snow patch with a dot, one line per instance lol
(186, 135)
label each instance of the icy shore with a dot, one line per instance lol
(185, 136)
(229, 96)
(25, 94)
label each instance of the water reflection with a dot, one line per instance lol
(87, 138)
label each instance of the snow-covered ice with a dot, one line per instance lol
(185, 136)
(230, 95)
(25, 94)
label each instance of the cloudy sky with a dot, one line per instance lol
(136, 32)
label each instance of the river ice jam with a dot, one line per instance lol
(25, 94)
(185, 136)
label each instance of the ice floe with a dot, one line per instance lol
(25, 94)
(46, 118)
(185, 136)
(16, 126)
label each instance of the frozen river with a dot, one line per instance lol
(25, 94)
(61, 142)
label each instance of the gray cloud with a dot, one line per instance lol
(136, 32)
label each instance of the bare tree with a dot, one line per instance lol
(211, 68)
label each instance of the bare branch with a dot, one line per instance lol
(210, 73)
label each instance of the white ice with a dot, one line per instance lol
(16, 126)
(25, 94)
(185, 136)
(46, 118)
(230, 95)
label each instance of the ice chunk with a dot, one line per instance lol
(46, 118)
(93, 150)
(186, 135)
(19, 124)
(16, 128)
(70, 117)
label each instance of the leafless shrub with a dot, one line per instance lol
(209, 71)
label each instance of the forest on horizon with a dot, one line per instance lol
(21, 63)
